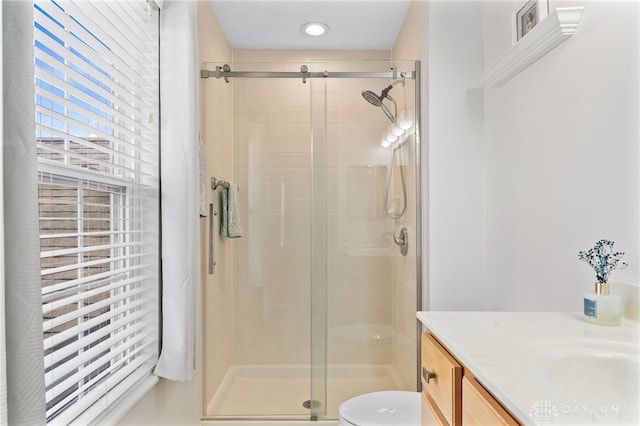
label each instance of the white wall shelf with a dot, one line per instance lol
(544, 37)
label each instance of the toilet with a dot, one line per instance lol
(386, 408)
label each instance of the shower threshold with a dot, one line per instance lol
(279, 391)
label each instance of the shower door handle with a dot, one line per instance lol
(212, 261)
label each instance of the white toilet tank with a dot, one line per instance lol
(386, 408)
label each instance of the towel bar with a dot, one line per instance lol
(215, 183)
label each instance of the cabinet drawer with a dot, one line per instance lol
(431, 415)
(480, 408)
(442, 379)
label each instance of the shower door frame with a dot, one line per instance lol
(224, 72)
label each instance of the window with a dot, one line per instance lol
(96, 67)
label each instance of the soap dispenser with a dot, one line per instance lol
(601, 307)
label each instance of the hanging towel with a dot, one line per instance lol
(230, 226)
(203, 186)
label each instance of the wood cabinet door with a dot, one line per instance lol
(479, 408)
(442, 379)
(431, 415)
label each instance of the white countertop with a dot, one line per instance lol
(545, 367)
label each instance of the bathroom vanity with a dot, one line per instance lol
(510, 368)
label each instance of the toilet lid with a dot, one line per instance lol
(397, 408)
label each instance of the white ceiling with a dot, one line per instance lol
(353, 24)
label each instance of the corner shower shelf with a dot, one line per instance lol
(544, 37)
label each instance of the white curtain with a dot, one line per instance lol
(3, 364)
(21, 250)
(179, 74)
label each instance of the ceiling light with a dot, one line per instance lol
(314, 28)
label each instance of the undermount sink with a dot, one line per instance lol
(614, 376)
(598, 380)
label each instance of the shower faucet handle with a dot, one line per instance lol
(402, 240)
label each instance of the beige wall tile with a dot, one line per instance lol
(408, 46)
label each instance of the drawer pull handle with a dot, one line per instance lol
(428, 375)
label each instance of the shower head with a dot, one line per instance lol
(372, 98)
(376, 100)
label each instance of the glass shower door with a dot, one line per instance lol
(364, 192)
(264, 370)
(315, 303)
(319, 279)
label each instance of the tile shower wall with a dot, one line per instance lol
(271, 166)
(216, 132)
(271, 260)
(359, 240)
(409, 45)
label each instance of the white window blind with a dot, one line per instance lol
(96, 68)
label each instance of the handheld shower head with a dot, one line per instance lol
(376, 100)
(386, 111)
(372, 98)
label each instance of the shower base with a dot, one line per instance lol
(279, 391)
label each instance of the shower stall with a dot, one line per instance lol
(316, 302)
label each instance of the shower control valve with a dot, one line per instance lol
(402, 240)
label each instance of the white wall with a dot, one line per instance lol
(524, 176)
(456, 157)
(562, 160)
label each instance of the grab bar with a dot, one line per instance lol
(212, 262)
